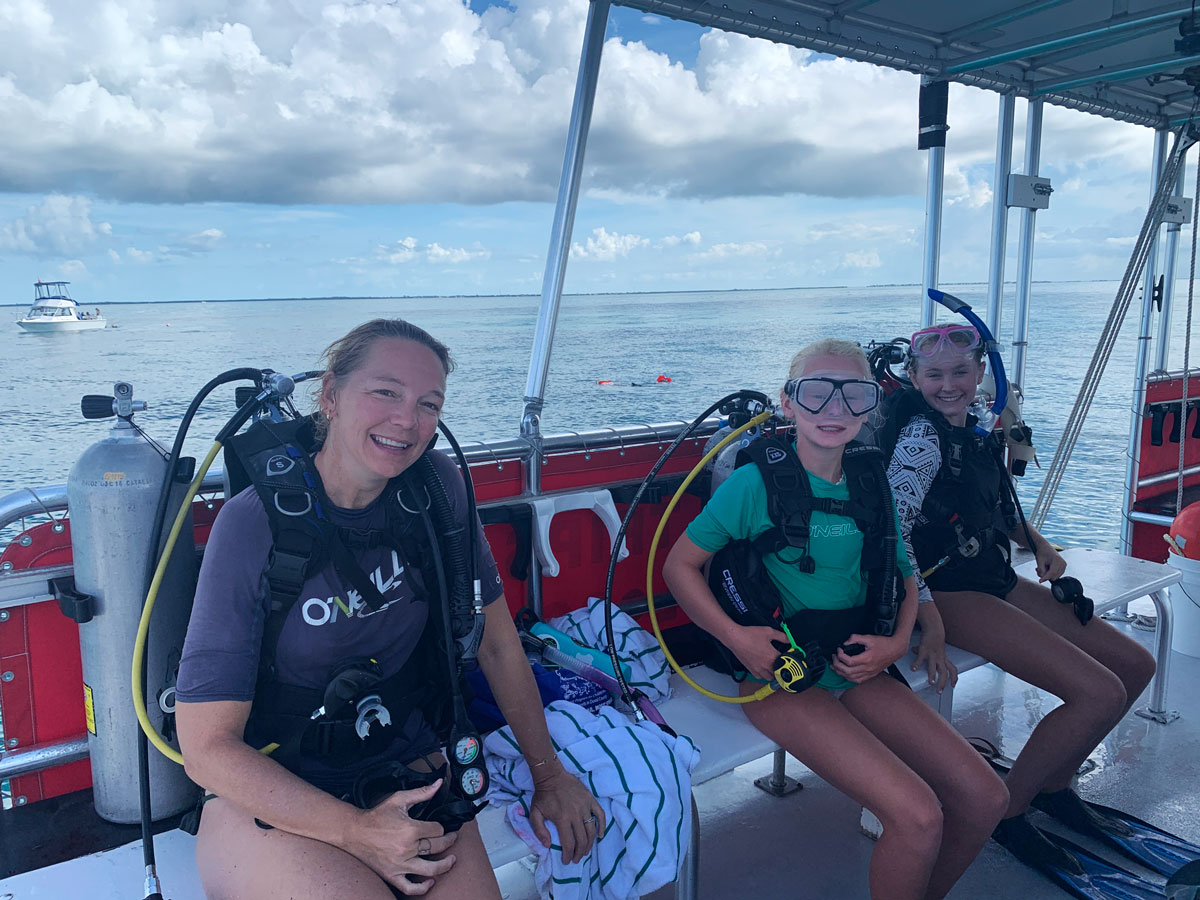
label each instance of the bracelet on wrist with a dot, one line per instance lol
(548, 766)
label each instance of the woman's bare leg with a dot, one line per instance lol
(1093, 697)
(973, 797)
(820, 732)
(237, 860)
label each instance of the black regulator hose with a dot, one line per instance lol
(160, 517)
(472, 512)
(628, 696)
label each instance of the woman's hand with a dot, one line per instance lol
(880, 653)
(562, 799)
(396, 846)
(755, 646)
(1050, 564)
(931, 653)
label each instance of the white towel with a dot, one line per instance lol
(641, 777)
(637, 647)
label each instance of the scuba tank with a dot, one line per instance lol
(112, 492)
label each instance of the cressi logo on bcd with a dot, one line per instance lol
(280, 464)
(775, 455)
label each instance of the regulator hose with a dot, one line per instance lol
(767, 689)
(160, 516)
(954, 304)
(629, 696)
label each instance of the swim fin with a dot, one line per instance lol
(1184, 884)
(1142, 842)
(1076, 870)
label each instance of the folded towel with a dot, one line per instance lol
(637, 647)
(640, 775)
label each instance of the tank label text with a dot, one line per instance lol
(89, 709)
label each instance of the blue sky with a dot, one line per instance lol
(213, 150)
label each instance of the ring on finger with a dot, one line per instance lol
(591, 820)
(424, 847)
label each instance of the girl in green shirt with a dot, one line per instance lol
(860, 729)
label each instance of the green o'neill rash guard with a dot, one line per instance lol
(738, 510)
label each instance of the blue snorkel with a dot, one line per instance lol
(953, 304)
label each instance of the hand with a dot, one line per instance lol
(931, 652)
(755, 646)
(562, 799)
(1050, 564)
(880, 653)
(396, 846)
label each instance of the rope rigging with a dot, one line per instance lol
(1184, 140)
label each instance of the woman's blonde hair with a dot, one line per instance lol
(348, 353)
(829, 347)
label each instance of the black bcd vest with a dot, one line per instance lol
(969, 490)
(744, 588)
(276, 458)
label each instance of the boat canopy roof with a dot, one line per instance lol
(52, 294)
(1123, 59)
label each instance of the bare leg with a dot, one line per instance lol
(1117, 652)
(820, 732)
(973, 797)
(237, 859)
(1093, 697)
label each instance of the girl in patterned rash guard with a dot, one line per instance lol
(949, 487)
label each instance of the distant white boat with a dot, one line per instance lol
(54, 310)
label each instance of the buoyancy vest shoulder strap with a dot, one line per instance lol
(790, 501)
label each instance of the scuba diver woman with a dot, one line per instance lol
(329, 647)
(859, 728)
(957, 512)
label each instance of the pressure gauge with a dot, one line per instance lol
(473, 782)
(466, 750)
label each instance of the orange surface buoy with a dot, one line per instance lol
(1185, 531)
(605, 381)
(664, 379)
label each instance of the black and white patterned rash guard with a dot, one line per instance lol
(914, 466)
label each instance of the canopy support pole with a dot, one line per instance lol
(1033, 156)
(556, 258)
(1134, 451)
(931, 135)
(1162, 349)
(1004, 142)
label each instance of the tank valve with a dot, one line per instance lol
(100, 406)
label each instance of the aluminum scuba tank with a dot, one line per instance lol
(112, 494)
(723, 464)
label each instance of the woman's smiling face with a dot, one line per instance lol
(947, 380)
(383, 414)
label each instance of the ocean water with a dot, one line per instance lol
(708, 343)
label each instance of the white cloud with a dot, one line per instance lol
(427, 101)
(202, 241)
(733, 249)
(409, 249)
(674, 240)
(861, 259)
(73, 269)
(139, 256)
(59, 226)
(606, 246)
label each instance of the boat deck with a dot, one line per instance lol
(808, 844)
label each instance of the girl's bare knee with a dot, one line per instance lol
(916, 819)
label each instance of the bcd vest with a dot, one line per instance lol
(968, 496)
(744, 588)
(276, 458)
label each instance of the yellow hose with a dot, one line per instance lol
(767, 689)
(139, 644)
